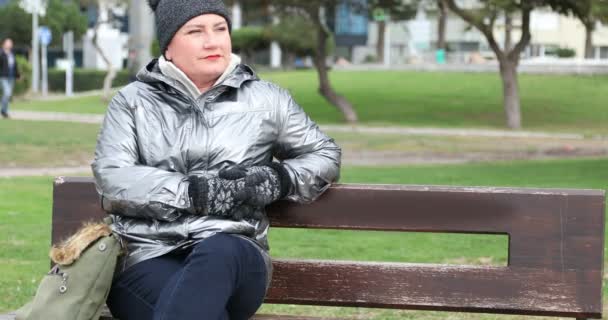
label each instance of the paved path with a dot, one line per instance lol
(96, 118)
(56, 116)
(32, 172)
(10, 316)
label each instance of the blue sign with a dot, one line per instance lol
(350, 19)
(45, 35)
(351, 23)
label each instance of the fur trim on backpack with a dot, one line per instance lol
(70, 250)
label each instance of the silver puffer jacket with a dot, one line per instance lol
(154, 136)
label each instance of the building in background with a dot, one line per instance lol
(551, 31)
(415, 41)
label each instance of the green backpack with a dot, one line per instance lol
(77, 287)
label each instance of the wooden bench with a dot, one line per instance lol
(555, 254)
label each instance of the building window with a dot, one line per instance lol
(543, 50)
(602, 52)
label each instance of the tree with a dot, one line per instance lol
(247, 40)
(589, 12)
(61, 16)
(483, 18)
(314, 11)
(397, 10)
(16, 24)
(294, 37)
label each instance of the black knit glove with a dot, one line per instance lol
(263, 184)
(217, 197)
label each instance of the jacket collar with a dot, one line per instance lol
(152, 74)
(169, 69)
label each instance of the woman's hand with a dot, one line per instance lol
(217, 197)
(263, 185)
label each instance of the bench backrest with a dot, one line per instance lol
(556, 244)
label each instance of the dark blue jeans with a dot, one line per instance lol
(7, 92)
(221, 278)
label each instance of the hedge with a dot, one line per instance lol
(85, 79)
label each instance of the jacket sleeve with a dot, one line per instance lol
(311, 158)
(127, 186)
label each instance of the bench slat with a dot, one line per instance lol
(11, 316)
(505, 290)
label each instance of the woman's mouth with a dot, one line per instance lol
(213, 57)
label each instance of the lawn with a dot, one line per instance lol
(49, 144)
(46, 144)
(553, 103)
(25, 205)
(88, 104)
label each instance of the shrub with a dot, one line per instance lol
(565, 52)
(25, 70)
(296, 35)
(370, 58)
(85, 79)
(247, 40)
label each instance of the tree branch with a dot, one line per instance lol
(97, 46)
(525, 33)
(477, 22)
(467, 15)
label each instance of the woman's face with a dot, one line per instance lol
(201, 48)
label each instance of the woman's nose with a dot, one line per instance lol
(210, 42)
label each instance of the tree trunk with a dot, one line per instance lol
(589, 28)
(325, 88)
(508, 59)
(508, 73)
(508, 32)
(107, 81)
(442, 24)
(380, 42)
(291, 61)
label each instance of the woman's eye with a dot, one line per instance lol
(193, 31)
(222, 29)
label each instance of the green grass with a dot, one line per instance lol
(25, 205)
(553, 103)
(88, 105)
(456, 99)
(46, 144)
(25, 231)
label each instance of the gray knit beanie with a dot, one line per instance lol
(173, 14)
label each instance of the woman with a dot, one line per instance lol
(184, 164)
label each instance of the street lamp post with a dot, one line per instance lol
(35, 49)
(35, 8)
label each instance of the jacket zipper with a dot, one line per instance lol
(205, 98)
